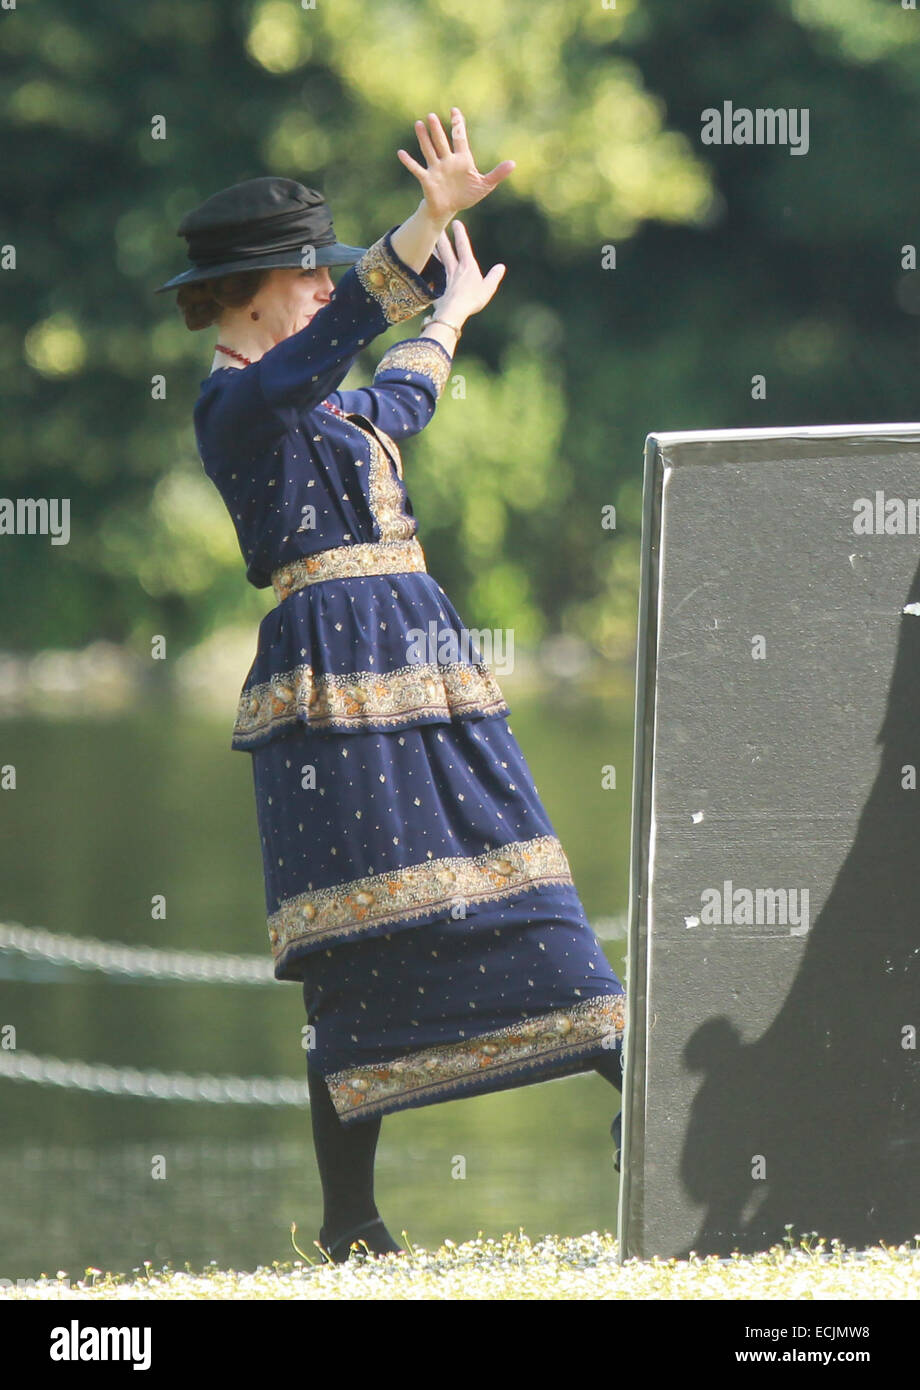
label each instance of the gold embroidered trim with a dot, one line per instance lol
(365, 697)
(415, 355)
(348, 562)
(396, 552)
(386, 500)
(434, 885)
(446, 1067)
(386, 280)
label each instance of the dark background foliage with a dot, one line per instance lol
(731, 262)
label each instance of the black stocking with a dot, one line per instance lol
(345, 1159)
(610, 1067)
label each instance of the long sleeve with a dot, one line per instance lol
(298, 373)
(408, 383)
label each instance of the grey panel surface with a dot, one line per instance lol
(772, 1078)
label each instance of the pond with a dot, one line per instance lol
(109, 816)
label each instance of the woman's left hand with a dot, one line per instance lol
(451, 181)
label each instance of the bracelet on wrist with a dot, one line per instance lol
(431, 319)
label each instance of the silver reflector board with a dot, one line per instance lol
(772, 1083)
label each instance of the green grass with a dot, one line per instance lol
(517, 1268)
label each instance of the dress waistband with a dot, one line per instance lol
(347, 562)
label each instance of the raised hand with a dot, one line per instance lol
(468, 290)
(451, 181)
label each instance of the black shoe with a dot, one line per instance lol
(616, 1135)
(339, 1249)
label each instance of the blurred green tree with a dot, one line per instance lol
(729, 262)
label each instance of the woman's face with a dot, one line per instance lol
(289, 298)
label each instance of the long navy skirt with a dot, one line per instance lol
(417, 888)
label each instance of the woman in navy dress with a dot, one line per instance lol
(415, 886)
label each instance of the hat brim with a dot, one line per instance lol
(337, 254)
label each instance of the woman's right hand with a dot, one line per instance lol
(467, 290)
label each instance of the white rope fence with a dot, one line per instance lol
(148, 963)
(138, 962)
(152, 1085)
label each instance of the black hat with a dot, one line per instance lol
(259, 225)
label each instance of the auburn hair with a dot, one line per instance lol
(203, 301)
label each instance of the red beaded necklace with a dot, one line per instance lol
(219, 347)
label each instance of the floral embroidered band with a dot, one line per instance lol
(423, 355)
(436, 885)
(348, 562)
(386, 698)
(437, 1071)
(382, 277)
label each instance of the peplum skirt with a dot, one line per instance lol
(417, 890)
